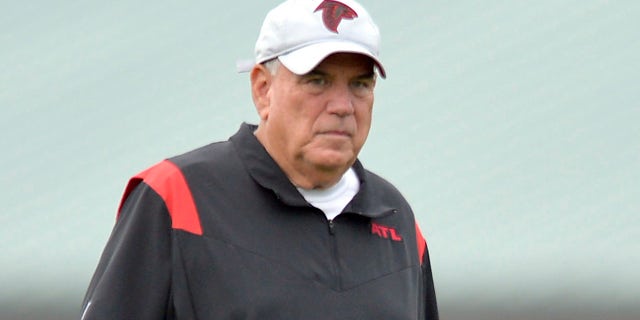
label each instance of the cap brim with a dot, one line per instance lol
(303, 60)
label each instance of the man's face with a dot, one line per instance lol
(320, 120)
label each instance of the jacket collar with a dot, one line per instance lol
(266, 172)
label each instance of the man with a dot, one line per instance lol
(282, 221)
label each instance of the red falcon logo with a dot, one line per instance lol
(333, 12)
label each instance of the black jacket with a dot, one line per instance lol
(221, 233)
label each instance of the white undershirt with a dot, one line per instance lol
(333, 199)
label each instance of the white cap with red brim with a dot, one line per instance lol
(302, 33)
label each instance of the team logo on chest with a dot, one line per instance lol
(385, 232)
(333, 12)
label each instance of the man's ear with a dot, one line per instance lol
(261, 79)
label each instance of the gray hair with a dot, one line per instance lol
(272, 65)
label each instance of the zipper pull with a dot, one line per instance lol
(331, 227)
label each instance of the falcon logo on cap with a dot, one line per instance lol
(333, 12)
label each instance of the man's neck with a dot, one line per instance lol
(309, 177)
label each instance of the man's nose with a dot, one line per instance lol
(340, 101)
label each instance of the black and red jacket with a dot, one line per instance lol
(221, 233)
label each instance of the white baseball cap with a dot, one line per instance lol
(302, 33)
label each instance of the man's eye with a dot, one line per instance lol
(317, 81)
(362, 84)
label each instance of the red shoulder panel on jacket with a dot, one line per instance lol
(166, 179)
(422, 244)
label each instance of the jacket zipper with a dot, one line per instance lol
(332, 230)
(334, 254)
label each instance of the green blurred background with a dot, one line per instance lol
(511, 126)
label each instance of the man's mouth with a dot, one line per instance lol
(339, 133)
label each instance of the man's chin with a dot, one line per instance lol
(333, 161)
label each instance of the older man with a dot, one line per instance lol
(282, 221)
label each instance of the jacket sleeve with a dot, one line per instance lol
(132, 279)
(428, 289)
(428, 304)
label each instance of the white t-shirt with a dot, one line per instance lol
(332, 200)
